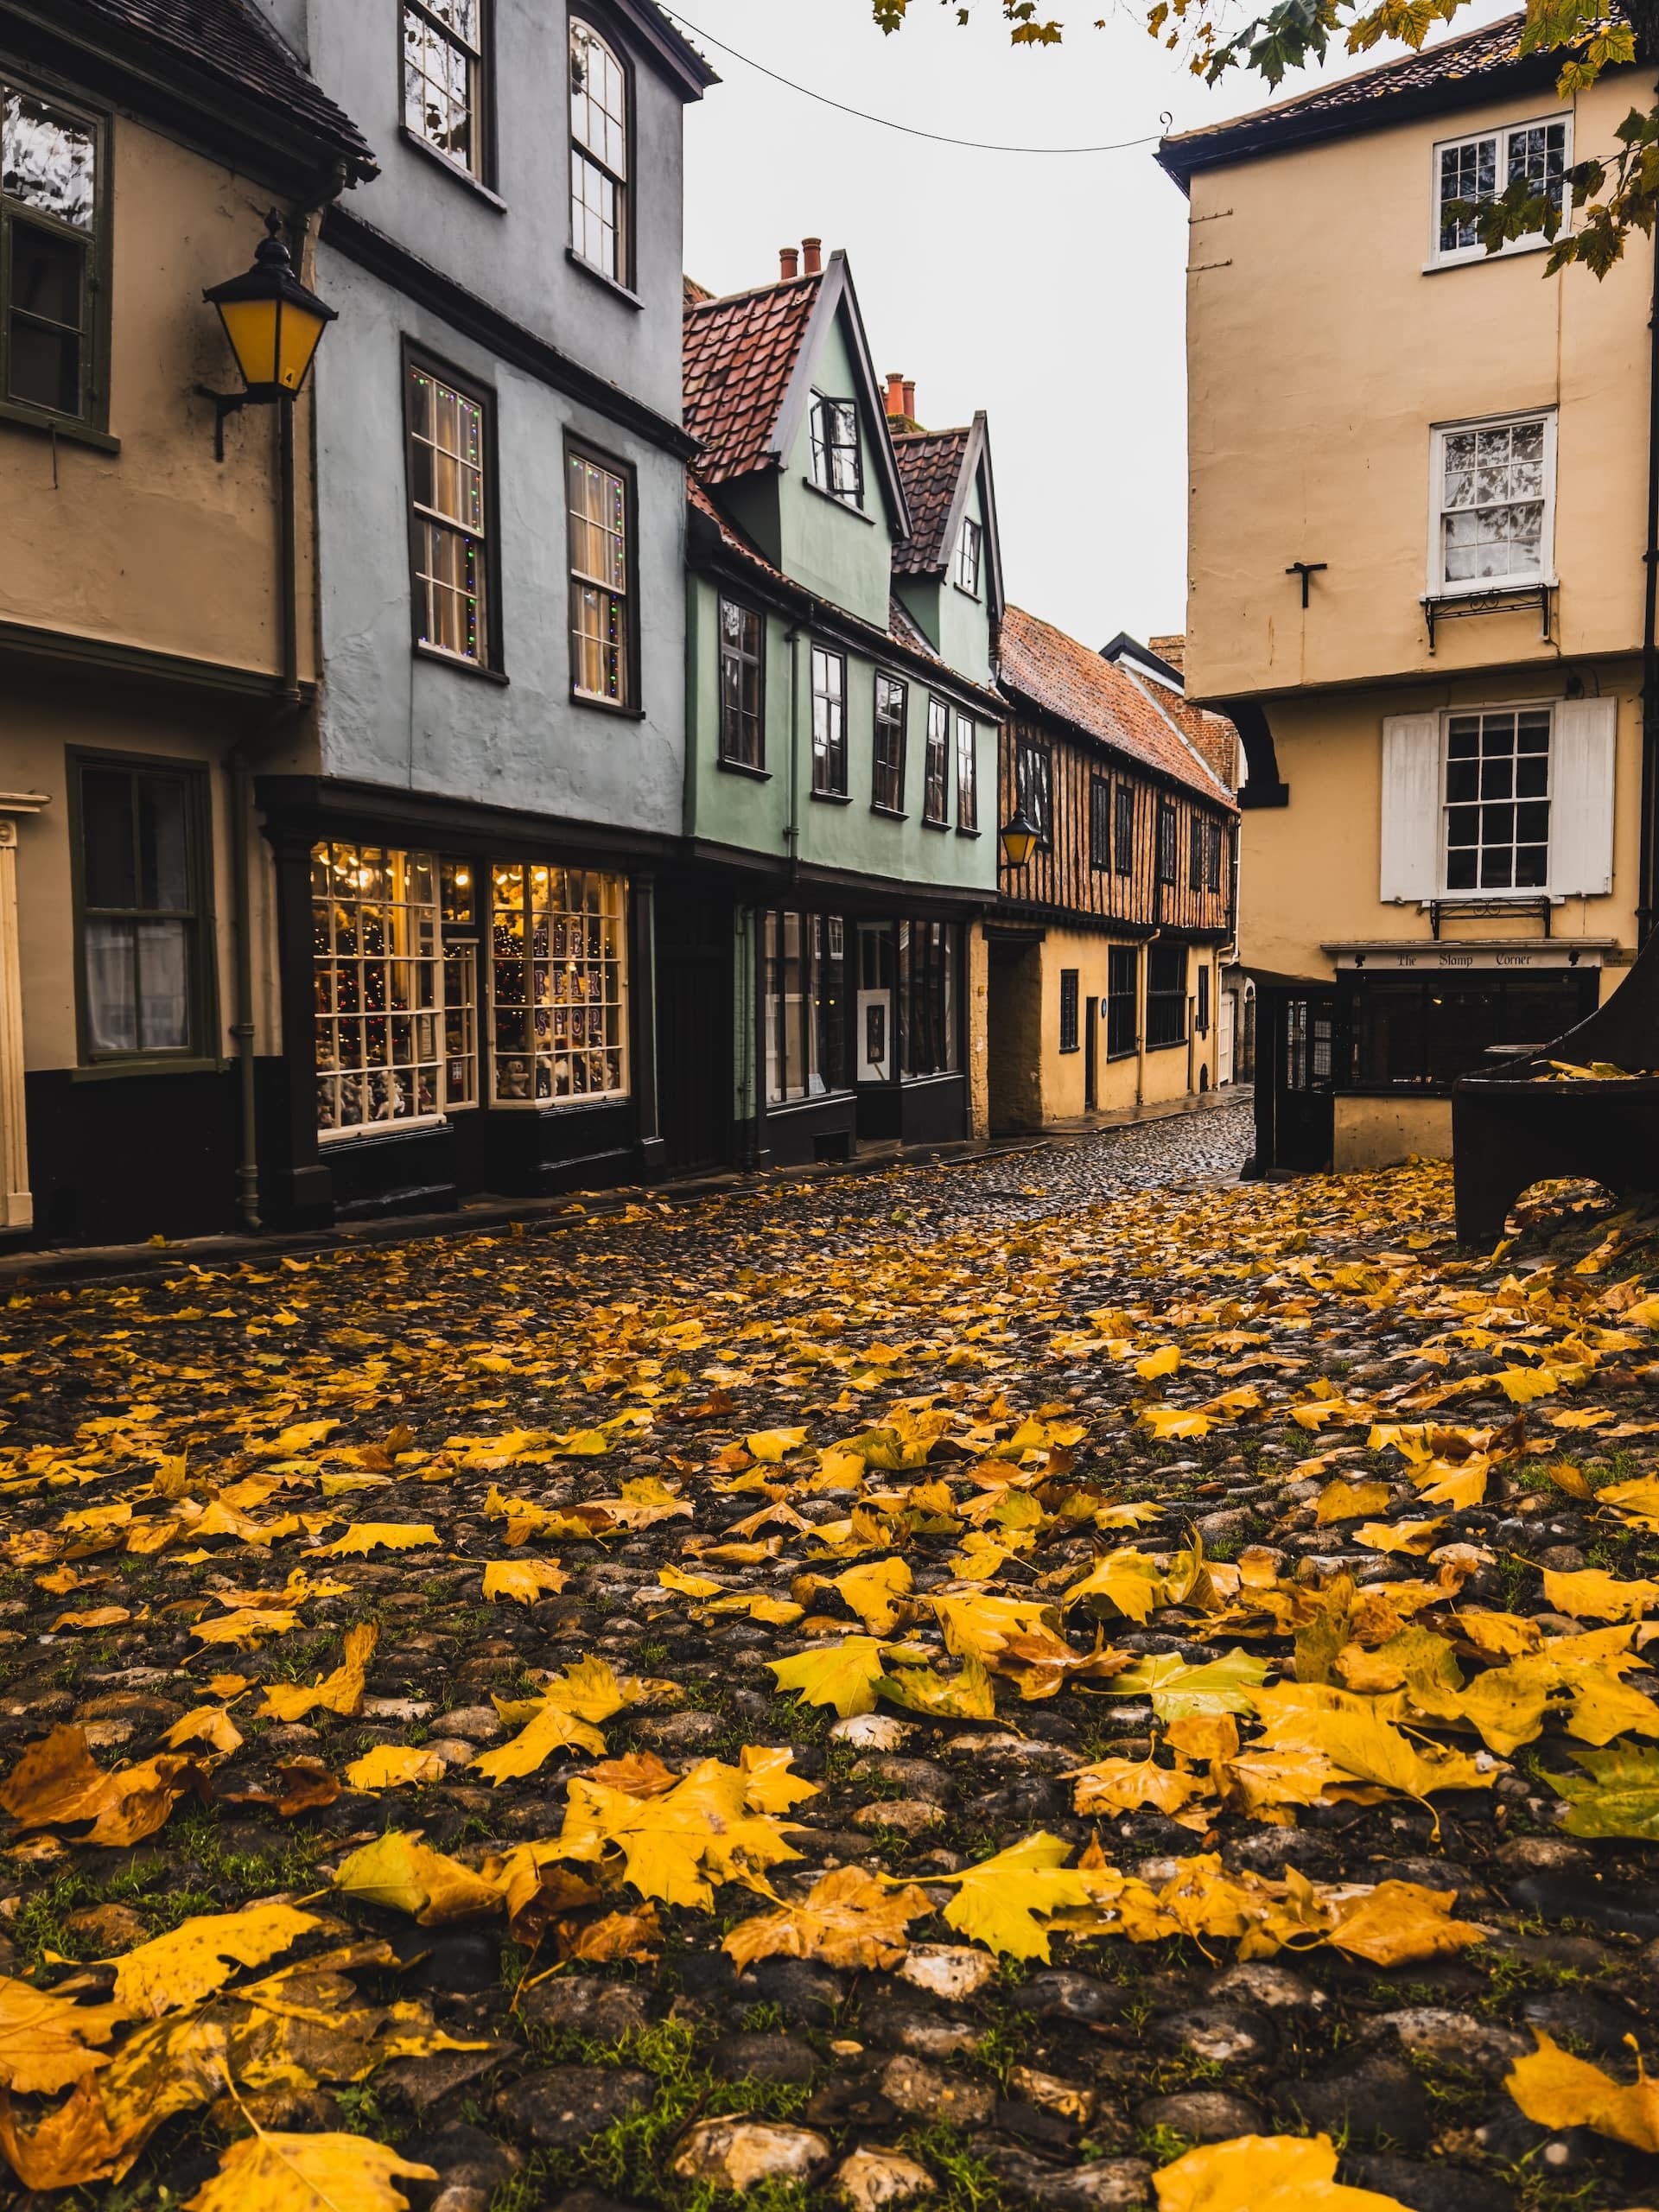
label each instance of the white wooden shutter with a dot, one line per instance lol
(1411, 806)
(1581, 797)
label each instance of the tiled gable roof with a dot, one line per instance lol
(230, 41)
(739, 355)
(1444, 76)
(930, 466)
(1066, 679)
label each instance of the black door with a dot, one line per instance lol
(1304, 1078)
(694, 1032)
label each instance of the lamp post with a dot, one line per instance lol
(1018, 836)
(274, 325)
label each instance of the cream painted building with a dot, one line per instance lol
(1419, 484)
(1105, 953)
(151, 629)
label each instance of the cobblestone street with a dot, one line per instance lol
(975, 1679)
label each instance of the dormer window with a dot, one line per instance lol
(835, 467)
(1535, 154)
(968, 548)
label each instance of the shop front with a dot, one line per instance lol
(861, 1021)
(460, 1018)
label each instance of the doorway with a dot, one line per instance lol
(695, 1041)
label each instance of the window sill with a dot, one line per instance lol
(451, 168)
(117, 1071)
(964, 592)
(1127, 1053)
(414, 1125)
(963, 832)
(833, 798)
(475, 668)
(606, 706)
(61, 426)
(1066, 1049)
(614, 285)
(1501, 588)
(890, 813)
(742, 768)
(844, 506)
(1175, 1045)
(1476, 256)
(551, 1107)
(929, 823)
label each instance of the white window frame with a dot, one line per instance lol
(1459, 257)
(1532, 892)
(1476, 586)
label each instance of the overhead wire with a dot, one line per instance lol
(910, 130)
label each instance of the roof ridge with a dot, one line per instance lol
(1273, 109)
(752, 292)
(1163, 715)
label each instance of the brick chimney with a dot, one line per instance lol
(910, 399)
(788, 263)
(896, 393)
(812, 255)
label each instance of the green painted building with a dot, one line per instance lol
(817, 955)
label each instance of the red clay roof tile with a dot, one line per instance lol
(930, 466)
(740, 353)
(1065, 679)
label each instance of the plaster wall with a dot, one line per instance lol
(841, 553)
(963, 635)
(733, 807)
(156, 545)
(1025, 1028)
(510, 244)
(1315, 378)
(1309, 872)
(395, 717)
(1381, 1132)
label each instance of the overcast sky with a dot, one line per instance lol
(1047, 290)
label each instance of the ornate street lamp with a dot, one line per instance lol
(1018, 836)
(274, 325)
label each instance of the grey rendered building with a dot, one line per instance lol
(467, 831)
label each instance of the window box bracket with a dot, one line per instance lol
(1446, 607)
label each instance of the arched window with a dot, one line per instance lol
(599, 153)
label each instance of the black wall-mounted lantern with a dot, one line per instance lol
(274, 325)
(1018, 836)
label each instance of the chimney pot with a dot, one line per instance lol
(895, 392)
(788, 263)
(812, 255)
(910, 397)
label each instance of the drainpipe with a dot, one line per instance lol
(1645, 886)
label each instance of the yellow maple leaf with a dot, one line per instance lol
(1346, 1501)
(1414, 1536)
(1522, 1384)
(768, 1785)
(395, 1766)
(1128, 1581)
(176, 1970)
(1125, 1785)
(1399, 1923)
(675, 1845)
(999, 1901)
(307, 2173)
(554, 1728)
(1164, 1361)
(44, 2040)
(967, 1695)
(849, 1919)
(774, 1444)
(379, 1535)
(206, 1723)
(1263, 2173)
(872, 1592)
(245, 1626)
(843, 1674)
(1593, 1594)
(1360, 1742)
(526, 1579)
(1558, 2090)
(402, 1873)
(341, 1692)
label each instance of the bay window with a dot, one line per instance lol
(558, 984)
(379, 986)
